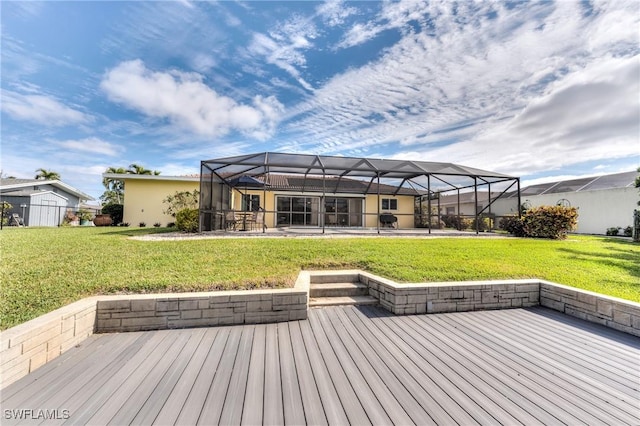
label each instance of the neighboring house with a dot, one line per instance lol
(602, 201)
(144, 195)
(463, 204)
(41, 202)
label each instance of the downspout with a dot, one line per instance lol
(378, 221)
(519, 199)
(429, 202)
(475, 201)
(323, 206)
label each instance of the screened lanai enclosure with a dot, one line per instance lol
(300, 190)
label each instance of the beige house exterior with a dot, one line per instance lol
(144, 195)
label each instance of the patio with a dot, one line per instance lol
(347, 365)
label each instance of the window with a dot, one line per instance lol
(389, 204)
(250, 203)
(451, 210)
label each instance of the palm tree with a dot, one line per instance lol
(47, 174)
(114, 188)
(136, 169)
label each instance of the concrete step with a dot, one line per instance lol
(338, 289)
(320, 302)
(335, 277)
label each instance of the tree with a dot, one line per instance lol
(181, 200)
(45, 174)
(114, 193)
(136, 169)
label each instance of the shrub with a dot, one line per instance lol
(543, 222)
(181, 200)
(550, 221)
(612, 231)
(485, 223)
(454, 221)
(171, 225)
(513, 225)
(187, 220)
(142, 225)
(628, 231)
(116, 211)
(156, 225)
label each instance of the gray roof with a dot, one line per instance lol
(612, 181)
(11, 185)
(448, 175)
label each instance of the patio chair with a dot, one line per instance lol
(258, 219)
(231, 220)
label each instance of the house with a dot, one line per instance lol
(41, 202)
(320, 191)
(144, 195)
(602, 201)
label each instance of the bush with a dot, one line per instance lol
(181, 200)
(612, 231)
(543, 222)
(116, 211)
(459, 223)
(628, 231)
(142, 225)
(485, 223)
(187, 220)
(513, 225)
(157, 225)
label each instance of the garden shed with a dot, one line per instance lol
(320, 191)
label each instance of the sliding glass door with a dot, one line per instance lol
(297, 211)
(343, 211)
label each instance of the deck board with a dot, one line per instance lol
(358, 365)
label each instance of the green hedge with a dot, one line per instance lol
(553, 222)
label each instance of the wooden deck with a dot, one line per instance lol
(347, 365)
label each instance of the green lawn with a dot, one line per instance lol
(43, 268)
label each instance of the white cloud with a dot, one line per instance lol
(91, 145)
(335, 12)
(284, 46)
(41, 109)
(184, 100)
(506, 88)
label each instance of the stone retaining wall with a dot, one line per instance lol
(451, 296)
(612, 312)
(162, 311)
(28, 346)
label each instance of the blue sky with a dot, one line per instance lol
(539, 90)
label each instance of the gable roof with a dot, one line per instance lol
(593, 183)
(29, 186)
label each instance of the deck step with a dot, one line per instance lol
(320, 302)
(338, 289)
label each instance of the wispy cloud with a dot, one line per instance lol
(285, 45)
(92, 145)
(488, 84)
(40, 109)
(335, 12)
(184, 100)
